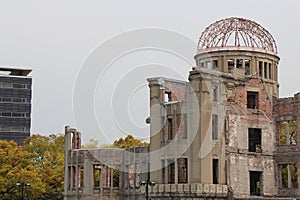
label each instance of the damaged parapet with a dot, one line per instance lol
(107, 173)
(73, 138)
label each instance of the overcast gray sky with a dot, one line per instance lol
(54, 38)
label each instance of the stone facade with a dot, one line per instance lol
(223, 134)
(107, 173)
(237, 132)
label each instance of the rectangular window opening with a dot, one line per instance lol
(116, 177)
(182, 170)
(254, 139)
(252, 100)
(170, 129)
(163, 171)
(215, 65)
(171, 172)
(288, 132)
(230, 64)
(239, 63)
(270, 71)
(97, 175)
(260, 68)
(247, 67)
(294, 175)
(81, 177)
(289, 175)
(255, 183)
(168, 97)
(215, 127)
(265, 70)
(215, 171)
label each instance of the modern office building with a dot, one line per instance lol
(15, 104)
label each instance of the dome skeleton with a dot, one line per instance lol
(236, 32)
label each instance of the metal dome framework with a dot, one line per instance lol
(237, 32)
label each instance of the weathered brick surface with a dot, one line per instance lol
(239, 160)
(287, 109)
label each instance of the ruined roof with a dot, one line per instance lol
(236, 32)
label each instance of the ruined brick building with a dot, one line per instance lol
(223, 134)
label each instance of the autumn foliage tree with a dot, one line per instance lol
(17, 166)
(48, 154)
(129, 141)
(40, 162)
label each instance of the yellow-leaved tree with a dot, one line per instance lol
(129, 141)
(48, 154)
(17, 168)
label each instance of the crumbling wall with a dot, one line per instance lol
(241, 160)
(287, 156)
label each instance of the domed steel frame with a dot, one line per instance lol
(236, 32)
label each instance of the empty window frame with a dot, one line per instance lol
(170, 129)
(97, 175)
(254, 140)
(265, 70)
(215, 127)
(288, 132)
(163, 171)
(81, 177)
(116, 177)
(270, 71)
(230, 64)
(167, 96)
(289, 175)
(247, 67)
(252, 100)
(215, 164)
(182, 169)
(260, 68)
(215, 65)
(171, 171)
(255, 183)
(239, 63)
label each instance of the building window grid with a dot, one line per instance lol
(14, 129)
(14, 86)
(15, 114)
